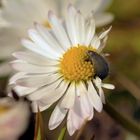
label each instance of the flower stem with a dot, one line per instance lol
(80, 132)
(128, 124)
(62, 133)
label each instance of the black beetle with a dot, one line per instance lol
(101, 66)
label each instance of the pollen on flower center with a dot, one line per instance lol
(74, 66)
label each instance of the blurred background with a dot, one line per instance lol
(123, 45)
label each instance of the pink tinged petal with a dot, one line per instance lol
(34, 58)
(30, 68)
(46, 34)
(104, 34)
(76, 116)
(57, 117)
(71, 25)
(108, 86)
(94, 97)
(68, 100)
(85, 105)
(59, 30)
(17, 76)
(13, 123)
(23, 91)
(90, 31)
(80, 23)
(37, 80)
(72, 122)
(32, 47)
(45, 91)
(41, 43)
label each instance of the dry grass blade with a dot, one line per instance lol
(129, 85)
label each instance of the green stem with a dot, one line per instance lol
(128, 124)
(62, 133)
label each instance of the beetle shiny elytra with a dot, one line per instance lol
(99, 63)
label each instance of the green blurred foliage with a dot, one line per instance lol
(124, 39)
(125, 9)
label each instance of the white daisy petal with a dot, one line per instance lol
(53, 95)
(72, 122)
(70, 25)
(36, 104)
(38, 80)
(35, 9)
(50, 93)
(96, 42)
(101, 93)
(102, 45)
(17, 76)
(103, 19)
(90, 31)
(98, 83)
(32, 47)
(58, 30)
(68, 100)
(23, 91)
(77, 116)
(34, 58)
(45, 90)
(108, 86)
(41, 43)
(30, 68)
(80, 33)
(104, 34)
(57, 117)
(86, 107)
(42, 107)
(46, 34)
(94, 97)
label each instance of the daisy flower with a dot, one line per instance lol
(14, 118)
(18, 16)
(63, 64)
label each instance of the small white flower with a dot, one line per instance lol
(19, 15)
(57, 68)
(14, 117)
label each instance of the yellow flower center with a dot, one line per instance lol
(74, 65)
